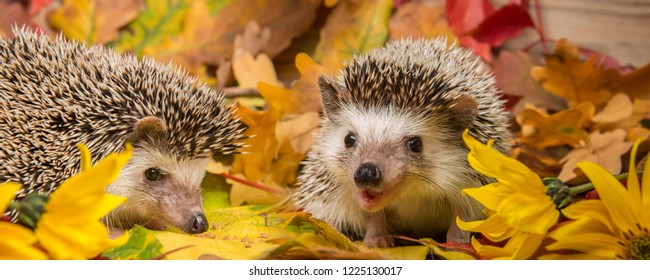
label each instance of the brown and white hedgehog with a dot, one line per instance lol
(56, 94)
(389, 157)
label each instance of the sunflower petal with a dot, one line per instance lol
(531, 214)
(584, 225)
(602, 246)
(591, 208)
(7, 193)
(645, 194)
(612, 194)
(490, 195)
(633, 188)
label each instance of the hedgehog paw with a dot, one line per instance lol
(378, 241)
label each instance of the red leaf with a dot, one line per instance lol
(592, 194)
(465, 15)
(36, 5)
(505, 23)
(481, 49)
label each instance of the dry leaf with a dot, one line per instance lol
(94, 22)
(618, 107)
(636, 84)
(420, 20)
(12, 14)
(254, 39)
(605, 150)
(352, 28)
(512, 72)
(304, 95)
(577, 81)
(566, 127)
(250, 71)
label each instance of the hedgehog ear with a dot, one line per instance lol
(147, 128)
(464, 109)
(329, 91)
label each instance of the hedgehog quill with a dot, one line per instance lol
(56, 94)
(389, 158)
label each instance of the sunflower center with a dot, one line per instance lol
(639, 248)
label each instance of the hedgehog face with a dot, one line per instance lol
(382, 152)
(161, 191)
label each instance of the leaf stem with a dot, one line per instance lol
(251, 184)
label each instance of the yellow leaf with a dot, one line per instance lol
(249, 71)
(304, 95)
(242, 194)
(566, 76)
(95, 21)
(404, 253)
(353, 27)
(300, 132)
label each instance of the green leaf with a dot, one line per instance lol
(159, 20)
(216, 192)
(142, 245)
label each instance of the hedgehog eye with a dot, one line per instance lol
(153, 174)
(350, 140)
(414, 144)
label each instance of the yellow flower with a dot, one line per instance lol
(517, 205)
(16, 242)
(70, 227)
(614, 227)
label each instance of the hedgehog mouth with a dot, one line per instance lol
(372, 199)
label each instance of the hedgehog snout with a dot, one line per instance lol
(198, 224)
(368, 174)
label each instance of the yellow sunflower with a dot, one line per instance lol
(70, 227)
(614, 227)
(518, 207)
(16, 242)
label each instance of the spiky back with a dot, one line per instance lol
(425, 76)
(54, 95)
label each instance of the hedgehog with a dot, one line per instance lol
(55, 94)
(389, 158)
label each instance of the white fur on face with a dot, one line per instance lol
(429, 183)
(173, 200)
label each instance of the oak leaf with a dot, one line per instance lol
(604, 149)
(567, 76)
(565, 127)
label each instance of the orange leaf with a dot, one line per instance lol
(604, 149)
(420, 20)
(577, 81)
(541, 130)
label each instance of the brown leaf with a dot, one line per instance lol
(618, 108)
(567, 76)
(512, 72)
(12, 14)
(115, 15)
(605, 149)
(254, 39)
(566, 127)
(636, 84)
(420, 20)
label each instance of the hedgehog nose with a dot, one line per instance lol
(198, 224)
(367, 174)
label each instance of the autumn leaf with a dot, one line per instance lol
(94, 22)
(507, 22)
(566, 127)
(463, 17)
(420, 20)
(12, 14)
(512, 72)
(249, 70)
(142, 245)
(353, 27)
(208, 32)
(158, 20)
(304, 94)
(567, 76)
(636, 84)
(604, 149)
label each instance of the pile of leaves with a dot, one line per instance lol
(568, 103)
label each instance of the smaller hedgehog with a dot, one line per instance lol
(54, 95)
(389, 157)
